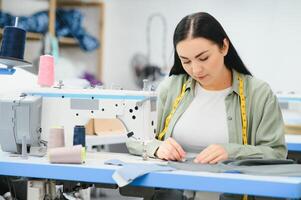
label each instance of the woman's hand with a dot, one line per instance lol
(170, 150)
(212, 154)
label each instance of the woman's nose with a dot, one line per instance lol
(196, 68)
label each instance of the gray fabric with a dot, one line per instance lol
(256, 162)
(250, 166)
(189, 165)
(276, 170)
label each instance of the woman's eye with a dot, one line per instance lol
(203, 59)
(186, 62)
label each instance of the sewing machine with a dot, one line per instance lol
(70, 107)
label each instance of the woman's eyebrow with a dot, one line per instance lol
(201, 53)
(198, 55)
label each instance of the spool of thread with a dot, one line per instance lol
(46, 71)
(56, 137)
(13, 42)
(67, 155)
(79, 136)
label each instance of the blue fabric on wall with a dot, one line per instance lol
(68, 24)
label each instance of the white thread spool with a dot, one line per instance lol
(67, 155)
(56, 137)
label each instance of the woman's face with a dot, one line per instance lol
(203, 60)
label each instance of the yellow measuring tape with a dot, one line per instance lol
(243, 111)
(175, 105)
(243, 117)
(242, 97)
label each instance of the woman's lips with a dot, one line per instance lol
(202, 77)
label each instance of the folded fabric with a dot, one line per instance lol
(189, 165)
(289, 170)
(265, 167)
(130, 171)
(257, 162)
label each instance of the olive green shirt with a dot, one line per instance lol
(265, 126)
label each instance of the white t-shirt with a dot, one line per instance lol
(204, 122)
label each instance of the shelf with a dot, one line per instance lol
(83, 3)
(98, 4)
(38, 36)
(68, 41)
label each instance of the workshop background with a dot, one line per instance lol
(123, 42)
(265, 33)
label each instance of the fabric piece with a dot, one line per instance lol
(262, 167)
(207, 106)
(130, 171)
(256, 162)
(189, 165)
(293, 170)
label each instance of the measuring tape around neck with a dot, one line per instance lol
(243, 117)
(243, 111)
(175, 105)
(177, 101)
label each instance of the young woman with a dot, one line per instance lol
(211, 105)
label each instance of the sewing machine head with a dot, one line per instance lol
(20, 117)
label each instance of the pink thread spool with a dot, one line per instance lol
(46, 71)
(56, 137)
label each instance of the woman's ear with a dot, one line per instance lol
(225, 47)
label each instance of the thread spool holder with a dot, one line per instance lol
(11, 63)
(14, 62)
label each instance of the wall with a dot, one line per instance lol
(265, 33)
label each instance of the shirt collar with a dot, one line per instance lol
(190, 84)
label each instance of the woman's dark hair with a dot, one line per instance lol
(206, 26)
